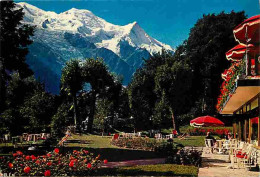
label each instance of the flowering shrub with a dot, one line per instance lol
(52, 164)
(185, 157)
(202, 131)
(228, 85)
(136, 143)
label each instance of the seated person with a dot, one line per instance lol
(210, 137)
(229, 136)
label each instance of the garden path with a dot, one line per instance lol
(134, 163)
(217, 165)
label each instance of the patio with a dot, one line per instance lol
(218, 165)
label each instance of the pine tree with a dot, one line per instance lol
(14, 39)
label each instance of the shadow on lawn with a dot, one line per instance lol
(116, 155)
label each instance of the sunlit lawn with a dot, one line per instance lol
(196, 141)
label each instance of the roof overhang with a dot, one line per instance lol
(246, 90)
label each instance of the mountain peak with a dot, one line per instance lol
(84, 22)
(82, 11)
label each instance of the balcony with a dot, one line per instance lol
(243, 87)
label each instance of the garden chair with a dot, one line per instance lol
(245, 157)
(226, 146)
(209, 143)
(241, 149)
(219, 146)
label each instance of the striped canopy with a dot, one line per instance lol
(238, 52)
(248, 31)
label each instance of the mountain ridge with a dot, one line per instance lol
(78, 33)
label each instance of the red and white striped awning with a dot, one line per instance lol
(248, 31)
(238, 52)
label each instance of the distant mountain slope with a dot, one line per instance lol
(80, 34)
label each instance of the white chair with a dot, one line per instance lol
(245, 157)
(209, 143)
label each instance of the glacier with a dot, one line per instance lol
(78, 33)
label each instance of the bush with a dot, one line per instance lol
(136, 143)
(167, 148)
(78, 163)
(185, 157)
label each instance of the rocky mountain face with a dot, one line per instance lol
(80, 34)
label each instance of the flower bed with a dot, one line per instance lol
(202, 131)
(137, 143)
(77, 163)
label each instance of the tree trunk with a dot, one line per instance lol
(174, 121)
(92, 112)
(75, 110)
(2, 87)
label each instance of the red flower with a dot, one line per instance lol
(10, 165)
(89, 165)
(19, 152)
(105, 161)
(38, 162)
(28, 157)
(47, 173)
(56, 150)
(27, 169)
(75, 151)
(33, 157)
(49, 163)
(14, 154)
(49, 155)
(71, 164)
(98, 156)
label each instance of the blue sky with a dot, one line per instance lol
(168, 21)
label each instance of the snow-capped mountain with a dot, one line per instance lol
(78, 33)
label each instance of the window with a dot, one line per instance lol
(254, 104)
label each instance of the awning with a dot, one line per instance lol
(255, 120)
(237, 53)
(248, 31)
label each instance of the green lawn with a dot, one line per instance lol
(101, 145)
(151, 170)
(197, 141)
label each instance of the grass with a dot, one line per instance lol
(151, 170)
(101, 145)
(196, 141)
(93, 141)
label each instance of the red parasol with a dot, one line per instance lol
(255, 120)
(206, 121)
(237, 52)
(248, 31)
